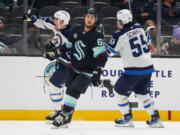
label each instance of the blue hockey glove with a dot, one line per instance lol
(29, 17)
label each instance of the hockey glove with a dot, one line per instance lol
(29, 17)
(107, 84)
(96, 77)
(52, 53)
(101, 83)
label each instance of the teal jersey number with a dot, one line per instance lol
(100, 41)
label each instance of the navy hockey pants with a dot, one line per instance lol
(59, 76)
(140, 84)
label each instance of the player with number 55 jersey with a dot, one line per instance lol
(131, 42)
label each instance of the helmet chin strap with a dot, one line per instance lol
(119, 22)
(59, 25)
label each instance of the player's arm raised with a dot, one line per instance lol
(40, 22)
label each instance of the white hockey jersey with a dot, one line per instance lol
(132, 45)
(47, 23)
(60, 37)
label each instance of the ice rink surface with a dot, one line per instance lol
(85, 128)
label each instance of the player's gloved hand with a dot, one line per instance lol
(96, 77)
(52, 52)
(107, 84)
(29, 17)
(52, 55)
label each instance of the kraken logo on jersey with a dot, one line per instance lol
(78, 46)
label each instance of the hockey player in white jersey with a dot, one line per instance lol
(61, 28)
(131, 42)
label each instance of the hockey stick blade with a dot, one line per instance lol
(31, 7)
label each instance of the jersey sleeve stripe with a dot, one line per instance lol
(98, 50)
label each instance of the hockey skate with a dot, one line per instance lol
(155, 121)
(125, 121)
(52, 116)
(62, 120)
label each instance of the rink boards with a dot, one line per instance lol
(24, 91)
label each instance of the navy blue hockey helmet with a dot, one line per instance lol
(92, 11)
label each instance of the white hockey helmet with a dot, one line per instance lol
(124, 16)
(62, 15)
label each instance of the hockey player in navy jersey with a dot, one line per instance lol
(61, 28)
(131, 42)
(88, 55)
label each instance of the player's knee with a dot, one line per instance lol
(73, 92)
(146, 100)
(118, 89)
(76, 89)
(56, 83)
(121, 99)
(55, 93)
(143, 97)
(54, 89)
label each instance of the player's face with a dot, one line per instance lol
(119, 26)
(57, 24)
(89, 20)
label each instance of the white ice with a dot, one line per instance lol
(85, 128)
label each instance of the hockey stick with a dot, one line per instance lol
(31, 7)
(101, 28)
(29, 11)
(104, 83)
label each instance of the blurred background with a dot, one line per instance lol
(19, 38)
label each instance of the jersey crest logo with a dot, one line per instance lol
(57, 40)
(80, 53)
